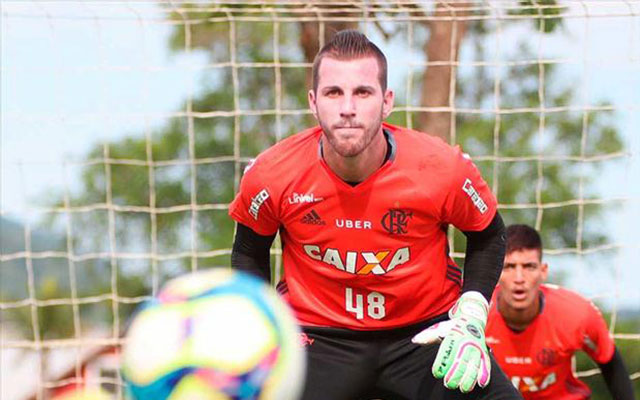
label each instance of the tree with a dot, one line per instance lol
(172, 186)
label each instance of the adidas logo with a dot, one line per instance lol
(312, 218)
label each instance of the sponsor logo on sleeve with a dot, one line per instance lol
(590, 344)
(468, 188)
(257, 201)
(249, 165)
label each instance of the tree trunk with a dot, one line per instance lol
(310, 31)
(443, 48)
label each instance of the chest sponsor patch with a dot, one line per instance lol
(353, 224)
(359, 262)
(530, 384)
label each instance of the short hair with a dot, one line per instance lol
(523, 237)
(350, 44)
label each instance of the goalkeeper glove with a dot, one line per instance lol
(463, 358)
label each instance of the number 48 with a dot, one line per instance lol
(355, 304)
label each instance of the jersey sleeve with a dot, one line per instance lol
(596, 341)
(469, 205)
(253, 205)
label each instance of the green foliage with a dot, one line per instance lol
(140, 173)
(523, 137)
(545, 14)
(184, 191)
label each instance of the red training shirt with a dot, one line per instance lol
(370, 256)
(538, 359)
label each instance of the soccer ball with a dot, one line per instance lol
(216, 335)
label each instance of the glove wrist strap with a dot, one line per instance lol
(471, 304)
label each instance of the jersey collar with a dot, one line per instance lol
(389, 157)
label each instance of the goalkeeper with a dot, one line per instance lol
(362, 208)
(534, 329)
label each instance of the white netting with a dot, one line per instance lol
(120, 157)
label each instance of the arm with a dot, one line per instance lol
(616, 377)
(251, 252)
(463, 346)
(484, 258)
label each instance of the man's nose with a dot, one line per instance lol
(348, 106)
(519, 274)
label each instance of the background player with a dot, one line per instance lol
(534, 329)
(362, 208)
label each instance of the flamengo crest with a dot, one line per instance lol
(396, 220)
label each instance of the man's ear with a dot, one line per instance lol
(311, 96)
(387, 103)
(544, 268)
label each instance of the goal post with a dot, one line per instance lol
(126, 127)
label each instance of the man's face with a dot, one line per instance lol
(349, 103)
(522, 274)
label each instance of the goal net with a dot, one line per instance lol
(126, 127)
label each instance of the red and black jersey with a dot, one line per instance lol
(538, 359)
(374, 255)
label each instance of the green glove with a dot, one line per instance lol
(463, 358)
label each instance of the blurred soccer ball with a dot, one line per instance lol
(216, 334)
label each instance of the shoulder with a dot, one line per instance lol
(285, 158)
(571, 305)
(289, 150)
(422, 152)
(420, 143)
(268, 175)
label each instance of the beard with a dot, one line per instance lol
(349, 147)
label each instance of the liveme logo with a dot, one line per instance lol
(298, 198)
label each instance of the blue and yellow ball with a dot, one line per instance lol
(214, 335)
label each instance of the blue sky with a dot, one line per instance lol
(69, 83)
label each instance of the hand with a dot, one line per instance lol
(463, 358)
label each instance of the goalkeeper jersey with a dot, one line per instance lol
(374, 255)
(538, 359)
